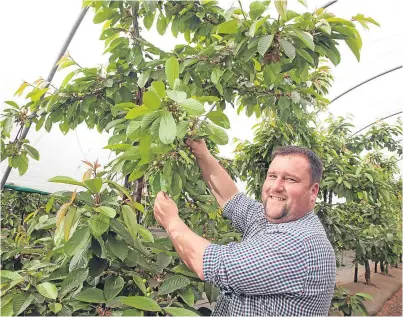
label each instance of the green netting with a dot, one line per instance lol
(25, 189)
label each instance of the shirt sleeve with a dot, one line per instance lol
(242, 211)
(271, 265)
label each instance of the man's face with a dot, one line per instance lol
(287, 192)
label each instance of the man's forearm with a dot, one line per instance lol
(217, 178)
(189, 246)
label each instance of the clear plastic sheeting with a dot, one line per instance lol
(33, 37)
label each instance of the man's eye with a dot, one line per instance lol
(272, 176)
(290, 179)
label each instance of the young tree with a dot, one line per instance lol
(100, 258)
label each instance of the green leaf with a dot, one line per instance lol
(102, 16)
(145, 233)
(176, 95)
(303, 2)
(8, 126)
(256, 9)
(49, 204)
(264, 43)
(69, 220)
(65, 180)
(167, 131)
(32, 151)
(365, 295)
(73, 280)
(347, 184)
(55, 307)
(143, 78)
(369, 176)
(219, 118)
(139, 282)
(91, 295)
(67, 78)
(288, 48)
(98, 224)
(187, 296)
(129, 217)
(216, 75)
(281, 7)
(163, 260)
(162, 24)
(20, 162)
(132, 312)
(193, 106)
(159, 88)
(355, 44)
(306, 38)
(173, 283)
(181, 129)
(79, 260)
(179, 311)
(228, 27)
(172, 71)
(219, 136)
(256, 26)
(305, 55)
(107, 211)
(12, 104)
(137, 112)
(118, 247)
(77, 242)
(94, 185)
(140, 302)
(47, 290)
(361, 18)
(112, 287)
(283, 102)
(340, 21)
(149, 19)
(21, 302)
(212, 292)
(151, 100)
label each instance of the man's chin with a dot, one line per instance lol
(281, 214)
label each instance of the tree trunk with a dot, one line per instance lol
(376, 267)
(138, 195)
(367, 272)
(356, 273)
(387, 268)
(330, 197)
(382, 266)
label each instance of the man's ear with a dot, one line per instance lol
(314, 192)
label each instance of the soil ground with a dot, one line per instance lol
(393, 307)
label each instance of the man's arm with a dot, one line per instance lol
(216, 177)
(189, 246)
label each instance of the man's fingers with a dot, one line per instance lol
(162, 196)
(189, 142)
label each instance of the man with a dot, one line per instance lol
(284, 265)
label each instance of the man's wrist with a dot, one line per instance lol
(175, 227)
(205, 157)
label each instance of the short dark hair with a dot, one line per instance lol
(313, 159)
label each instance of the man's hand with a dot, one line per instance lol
(198, 147)
(165, 210)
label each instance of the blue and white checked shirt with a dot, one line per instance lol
(286, 269)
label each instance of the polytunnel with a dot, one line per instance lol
(34, 37)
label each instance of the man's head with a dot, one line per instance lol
(292, 183)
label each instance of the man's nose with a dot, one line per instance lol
(277, 185)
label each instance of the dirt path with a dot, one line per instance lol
(393, 307)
